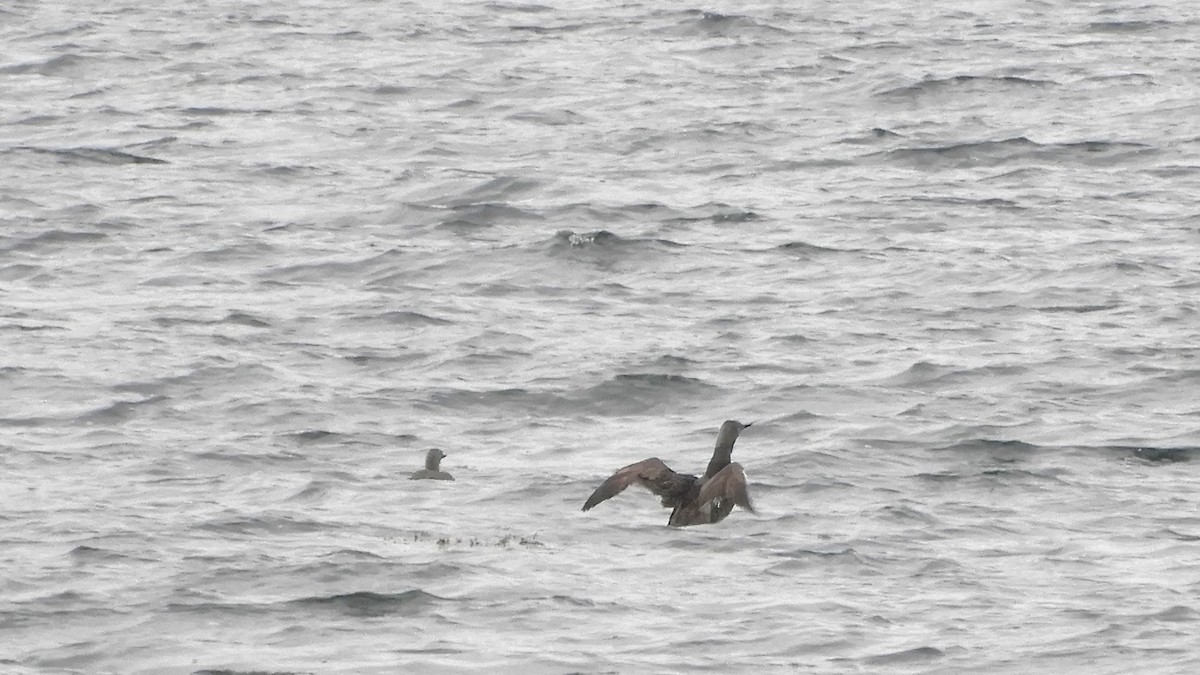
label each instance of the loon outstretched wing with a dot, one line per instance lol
(652, 474)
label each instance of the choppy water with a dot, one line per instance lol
(255, 258)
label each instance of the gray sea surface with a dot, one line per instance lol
(257, 257)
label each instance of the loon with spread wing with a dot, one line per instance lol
(692, 500)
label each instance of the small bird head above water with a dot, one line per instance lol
(433, 458)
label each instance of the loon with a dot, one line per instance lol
(433, 460)
(692, 500)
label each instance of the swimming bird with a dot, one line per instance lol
(433, 460)
(692, 500)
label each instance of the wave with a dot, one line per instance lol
(57, 65)
(1017, 149)
(623, 394)
(907, 656)
(368, 269)
(405, 318)
(845, 561)
(371, 604)
(519, 7)
(550, 118)
(52, 239)
(1076, 309)
(995, 202)
(392, 90)
(316, 436)
(1127, 26)
(118, 411)
(907, 514)
(996, 476)
(715, 212)
(514, 399)
(875, 135)
(88, 555)
(978, 445)
(1012, 450)
(228, 671)
(75, 156)
(315, 492)
(600, 239)
(701, 23)
(1157, 455)
(216, 111)
(1009, 475)
(356, 604)
(921, 372)
(641, 392)
(238, 318)
(272, 525)
(670, 363)
(214, 380)
(807, 250)
(477, 215)
(965, 83)
(496, 191)
(604, 249)
(602, 242)
(352, 555)
(233, 318)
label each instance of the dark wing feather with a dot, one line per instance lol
(651, 474)
(729, 484)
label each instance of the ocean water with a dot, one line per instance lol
(256, 258)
